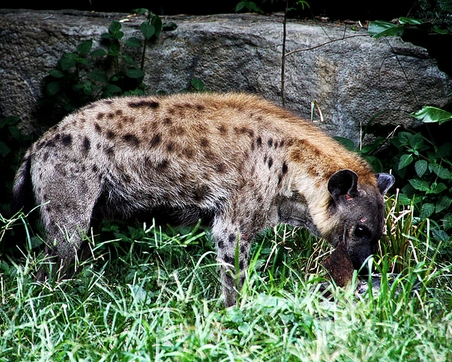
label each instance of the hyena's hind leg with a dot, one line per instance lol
(67, 208)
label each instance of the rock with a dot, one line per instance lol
(353, 78)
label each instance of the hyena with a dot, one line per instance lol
(235, 161)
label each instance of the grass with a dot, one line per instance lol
(158, 299)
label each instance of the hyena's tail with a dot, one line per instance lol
(22, 188)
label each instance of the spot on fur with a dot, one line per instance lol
(144, 104)
(131, 139)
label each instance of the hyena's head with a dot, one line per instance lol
(357, 213)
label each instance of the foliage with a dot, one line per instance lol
(158, 298)
(380, 28)
(423, 170)
(110, 70)
(249, 6)
(438, 13)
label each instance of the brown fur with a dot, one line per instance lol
(235, 160)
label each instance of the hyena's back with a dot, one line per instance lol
(235, 160)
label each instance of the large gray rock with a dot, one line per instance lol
(353, 78)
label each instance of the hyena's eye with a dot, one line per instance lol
(362, 231)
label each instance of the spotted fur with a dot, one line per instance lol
(235, 161)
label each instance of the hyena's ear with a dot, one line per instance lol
(343, 183)
(384, 182)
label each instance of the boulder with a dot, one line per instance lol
(351, 78)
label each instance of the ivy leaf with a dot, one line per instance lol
(430, 114)
(405, 160)
(437, 188)
(420, 185)
(110, 89)
(53, 88)
(443, 203)
(98, 76)
(85, 47)
(416, 141)
(4, 149)
(148, 30)
(440, 171)
(67, 61)
(115, 27)
(427, 210)
(421, 167)
(56, 73)
(114, 49)
(158, 25)
(140, 11)
(169, 26)
(99, 53)
(134, 73)
(133, 42)
(129, 60)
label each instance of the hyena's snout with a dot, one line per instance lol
(362, 242)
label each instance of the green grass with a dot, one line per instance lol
(159, 299)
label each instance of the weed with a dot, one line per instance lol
(115, 68)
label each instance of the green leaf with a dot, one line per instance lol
(99, 53)
(169, 26)
(56, 73)
(416, 141)
(129, 60)
(404, 138)
(430, 114)
(111, 89)
(346, 142)
(98, 76)
(198, 85)
(437, 188)
(114, 49)
(85, 47)
(379, 28)
(133, 42)
(140, 11)
(67, 61)
(240, 6)
(421, 167)
(53, 88)
(404, 199)
(157, 24)
(445, 150)
(410, 21)
(427, 210)
(115, 27)
(4, 149)
(147, 30)
(440, 171)
(81, 60)
(405, 160)
(420, 185)
(134, 73)
(443, 203)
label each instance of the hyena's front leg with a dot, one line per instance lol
(233, 246)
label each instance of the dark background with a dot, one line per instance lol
(334, 9)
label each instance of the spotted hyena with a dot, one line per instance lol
(235, 161)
